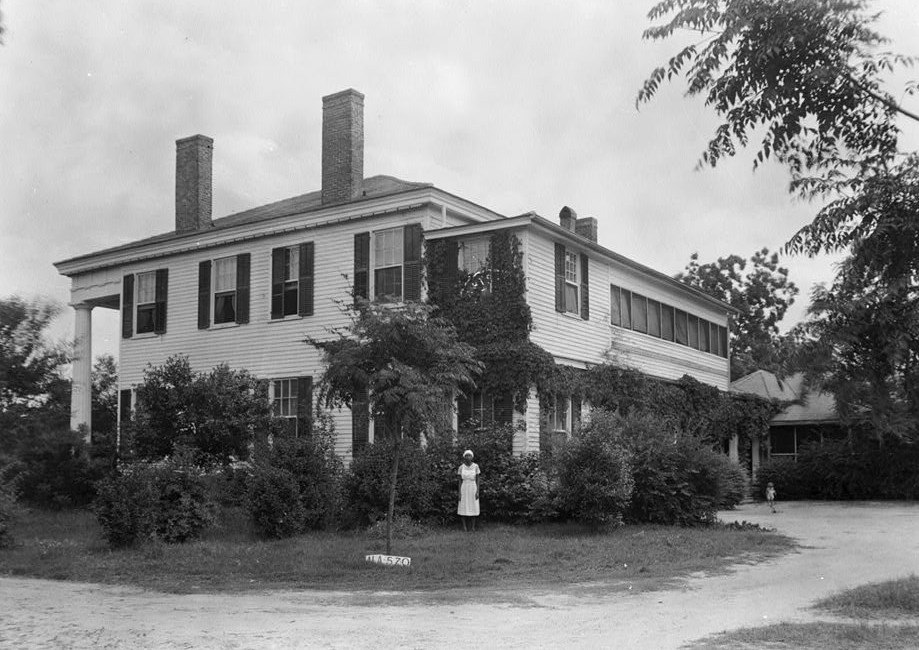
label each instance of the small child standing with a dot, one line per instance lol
(770, 495)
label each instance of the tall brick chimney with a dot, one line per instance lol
(567, 218)
(194, 158)
(586, 227)
(342, 146)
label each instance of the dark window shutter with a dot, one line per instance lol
(451, 269)
(204, 295)
(575, 412)
(585, 287)
(559, 278)
(504, 410)
(162, 290)
(411, 251)
(278, 268)
(124, 399)
(360, 421)
(304, 406)
(243, 264)
(305, 302)
(362, 265)
(127, 307)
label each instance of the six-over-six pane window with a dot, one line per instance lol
(639, 313)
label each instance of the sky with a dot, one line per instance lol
(518, 105)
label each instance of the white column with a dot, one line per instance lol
(82, 382)
(733, 445)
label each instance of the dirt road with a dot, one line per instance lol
(842, 546)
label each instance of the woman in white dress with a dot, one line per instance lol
(468, 476)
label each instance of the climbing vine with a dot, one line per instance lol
(489, 310)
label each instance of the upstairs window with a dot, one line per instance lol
(474, 255)
(143, 303)
(292, 281)
(571, 282)
(223, 286)
(394, 257)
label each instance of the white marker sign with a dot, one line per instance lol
(393, 560)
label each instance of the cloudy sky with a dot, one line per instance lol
(517, 105)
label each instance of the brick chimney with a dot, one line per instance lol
(342, 146)
(586, 227)
(567, 218)
(194, 157)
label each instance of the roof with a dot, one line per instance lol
(372, 188)
(807, 407)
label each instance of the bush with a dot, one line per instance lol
(56, 470)
(366, 484)
(166, 501)
(594, 473)
(274, 502)
(790, 482)
(733, 483)
(9, 506)
(675, 475)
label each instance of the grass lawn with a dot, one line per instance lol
(869, 604)
(68, 546)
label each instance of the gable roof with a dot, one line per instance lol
(807, 407)
(372, 188)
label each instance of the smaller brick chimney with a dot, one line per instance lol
(194, 161)
(567, 218)
(586, 227)
(342, 146)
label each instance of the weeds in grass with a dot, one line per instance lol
(890, 599)
(814, 636)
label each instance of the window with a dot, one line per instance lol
(667, 322)
(225, 290)
(474, 254)
(387, 263)
(571, 282)
(558, 413)
(143, 303)
(694, 331)
(639, 313)
(292, 281)
(625, 308)
(396, 263)
(615, 317)
(654, 318)
(292, 401)
(223, 285)
(705, 335)
(485, 409)
(681, 333)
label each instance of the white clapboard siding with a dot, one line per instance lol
(574, 341)
(267, 348)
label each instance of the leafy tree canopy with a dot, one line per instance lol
(410, 362)
(760, 290)
(806, 77)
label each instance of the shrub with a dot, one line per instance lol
(790, 482)
(675, 475)
(274, 502)
(594, 473)
(166, 501)
(9, 506)
(366, 484)
(56, 470)
(733, 483)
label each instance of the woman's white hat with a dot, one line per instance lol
(469, 453)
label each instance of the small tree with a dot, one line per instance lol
(214, 413)
(409, 363)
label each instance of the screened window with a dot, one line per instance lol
(625, 308)
(225, 290)
(474, 255)
(654, 318)
(146, 302)
(705, 339)
(693, 331)
(558, 415)
(681, 333)
(667, 327)
(614, 312)
(387, 263)
(639, 313)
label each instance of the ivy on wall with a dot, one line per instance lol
(489, 310)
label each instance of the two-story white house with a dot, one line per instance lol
(248, 288)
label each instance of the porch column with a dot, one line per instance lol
(82, 382)
(733, 445)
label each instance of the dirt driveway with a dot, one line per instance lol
(842, 546)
